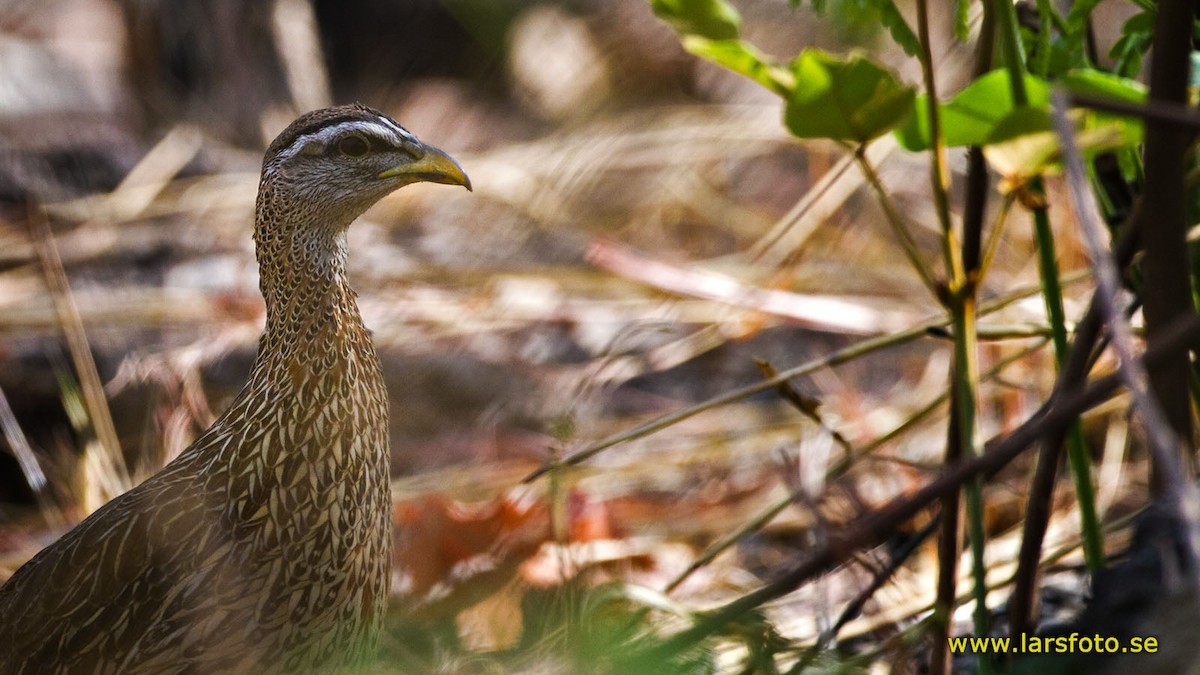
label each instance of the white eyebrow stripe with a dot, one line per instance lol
(401, 131)
(382, 129)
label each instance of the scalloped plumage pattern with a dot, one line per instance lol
(265, 546)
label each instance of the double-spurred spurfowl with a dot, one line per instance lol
(265, 546)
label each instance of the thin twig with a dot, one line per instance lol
(1161, 112)
(995, 236)
(939, 169)
(805, 405)
(1165, 446)
(1163, 442)
(878, 580)
(897, 222)
(976, 191)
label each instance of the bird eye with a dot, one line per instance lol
(353, 146)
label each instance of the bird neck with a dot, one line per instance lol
(312, 313)
(302, 275)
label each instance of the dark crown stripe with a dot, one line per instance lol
(313, 122)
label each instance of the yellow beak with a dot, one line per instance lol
(434, 166)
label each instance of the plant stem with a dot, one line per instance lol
(1077, 451)
(962, 441)
(1162, 222)
(1078, 454)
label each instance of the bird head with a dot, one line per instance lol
(331, 165)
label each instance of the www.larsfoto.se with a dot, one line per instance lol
(1058, 644)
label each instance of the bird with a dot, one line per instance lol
(265, 545)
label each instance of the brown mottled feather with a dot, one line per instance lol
(265, 546)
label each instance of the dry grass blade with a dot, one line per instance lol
(299, 45)
(821, 312)
(817, 206)
(141, 307)
(19, 446)
(77, 343)
(156, 169)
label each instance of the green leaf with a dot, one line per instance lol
(849, 99)
(1105, 85)
(1136, 37)
(973, 114)
(1020, 122)
(867, 13)
(712, 19)
(1077, 27)
(1026, 155)
(743, 58)
(962, 20)
(899, 29)
(1040, 63)
(1022, 145)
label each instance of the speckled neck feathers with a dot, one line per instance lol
(302, 271)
